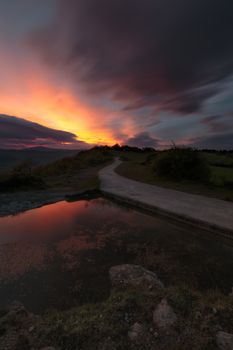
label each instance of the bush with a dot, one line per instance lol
(21, 177)
(182, 164)
(19, 181)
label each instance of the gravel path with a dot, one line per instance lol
(203, 211)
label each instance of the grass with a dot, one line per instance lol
(218, 159)
(222, 175)
(201, 310)
(220, 185)
(68, 174)
(105, 325)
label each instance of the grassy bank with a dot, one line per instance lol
(220, 185)
(76, 173)
(106, 325)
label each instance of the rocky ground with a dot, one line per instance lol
(140, 313)
(14, 203)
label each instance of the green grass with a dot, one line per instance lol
(221, 175)
(219, 186)
(218, 159)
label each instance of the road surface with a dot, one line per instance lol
(206, 212)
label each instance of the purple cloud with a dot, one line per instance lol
(164, 53)
(18, 133)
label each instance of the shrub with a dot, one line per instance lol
(19, 181)
(21, 177)
(182, 164)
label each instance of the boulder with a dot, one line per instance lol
(133, 275)
(224, 340)
(164, 317)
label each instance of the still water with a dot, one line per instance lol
(59, 255)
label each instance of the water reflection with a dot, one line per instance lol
(57, 255)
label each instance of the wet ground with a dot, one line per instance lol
(59, 255)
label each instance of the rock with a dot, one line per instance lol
(31, 329)
(133, 275)
(48, 348)
(135, 332)
(224, 341)
(164, 317)
(17, 308)
(156, 334)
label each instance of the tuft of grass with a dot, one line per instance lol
(92, 325)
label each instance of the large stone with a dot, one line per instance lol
(224, 340)
(133, 275)
(164, 317)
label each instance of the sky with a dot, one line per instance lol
(145, 73)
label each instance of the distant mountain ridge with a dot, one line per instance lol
(10, 158)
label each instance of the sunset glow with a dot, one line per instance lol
(39, 100)
(107, 85)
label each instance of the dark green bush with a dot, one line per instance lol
(182, 164)
(19, 181)
(21, 177)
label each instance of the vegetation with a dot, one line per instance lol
(105, 325)
(77, 172)
(209, 173)
(182, 164)
(82, 160)
(203, 172)
(21, 177)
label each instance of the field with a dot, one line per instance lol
(136, 167)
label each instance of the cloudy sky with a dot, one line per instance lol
(146, 73)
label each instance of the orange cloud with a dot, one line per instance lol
(28, 91)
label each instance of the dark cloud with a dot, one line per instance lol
(17, 132)
(167, 53)
(142, 140)
(223, 141)
(217, 124)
